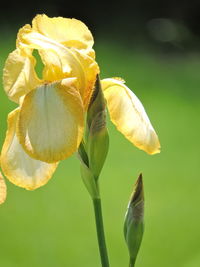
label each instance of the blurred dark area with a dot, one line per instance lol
(170, 25)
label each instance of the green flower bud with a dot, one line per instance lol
(134, 221)
(97, 136)
(97, 103)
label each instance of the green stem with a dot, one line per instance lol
(100, 232)
(132, 262)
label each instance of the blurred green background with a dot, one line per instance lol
(54, 225)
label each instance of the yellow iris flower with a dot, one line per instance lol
(48, 125)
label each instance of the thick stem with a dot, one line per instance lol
(100, 232)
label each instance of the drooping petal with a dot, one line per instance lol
(69, 32)
(3, 190)
(19, 76)
(17, 165)
(128, 114)
(50, 126)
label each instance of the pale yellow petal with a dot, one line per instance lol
(26, 29)
(71, 63)
(91, 69)
(17, 165)
(51, 121)
(19, 76)
(128, 114)
(69, 32)
(3, 190)
(61, 62)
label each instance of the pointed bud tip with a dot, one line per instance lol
(97, 89)
(138, 193)
(134, 220)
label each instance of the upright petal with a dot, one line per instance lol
(50, 126)
(61, 62)
(128, 114)
(65, 63)
(3, 190)
(19, 168)
(91, 69)
(19, 76)
(72, 63)
(69, 32)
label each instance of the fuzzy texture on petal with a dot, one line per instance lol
(17, 165)
(19, 76)
(128, 114)
(3, 190)
(69, 32)
(50, 126)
